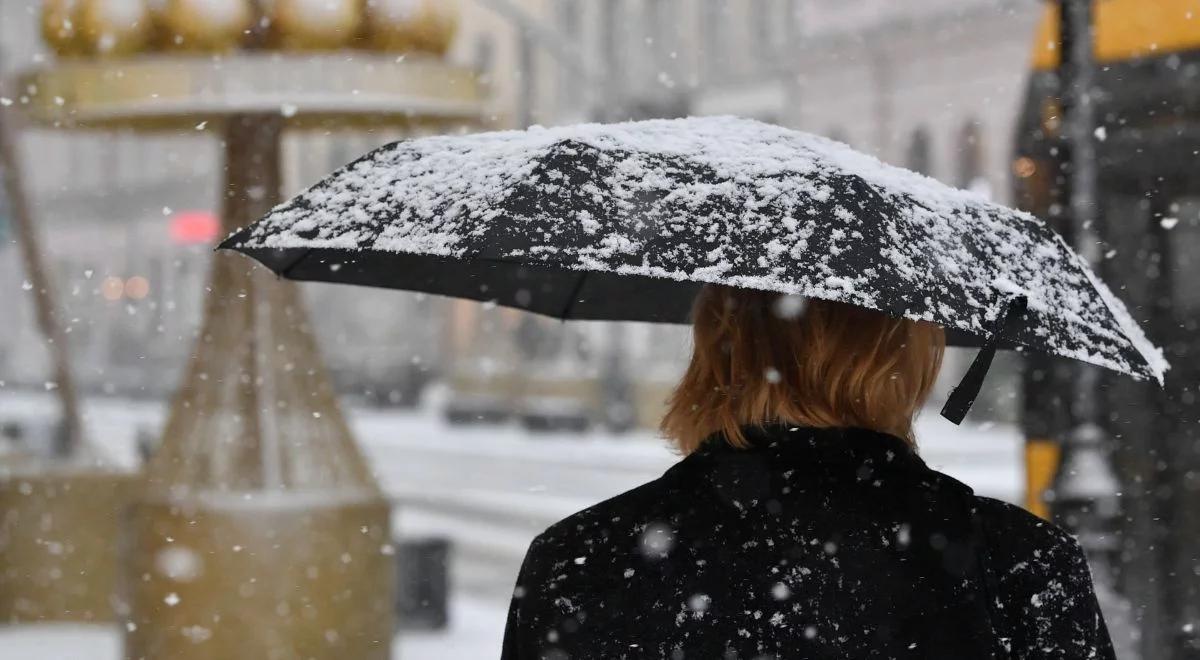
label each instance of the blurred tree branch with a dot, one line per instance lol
(71, 438)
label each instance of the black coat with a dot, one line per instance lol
(835, 543)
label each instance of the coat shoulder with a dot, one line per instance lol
(1043, 587)
(1026, 550)
(583, 555)
(1014, 530)
(638, 505)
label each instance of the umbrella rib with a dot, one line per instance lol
(574, 294)
(285, 272)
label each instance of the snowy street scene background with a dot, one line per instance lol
(420, 443)
(516, 485)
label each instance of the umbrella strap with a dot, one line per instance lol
(963, 395)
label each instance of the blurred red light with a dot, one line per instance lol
(192, 227)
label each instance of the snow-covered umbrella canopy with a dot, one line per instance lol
(626, 222)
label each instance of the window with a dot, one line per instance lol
(919, 157)
(762, 34)
(772, 28)
(570, 24)
(712, 45)
(971, 160)
(1182, 230)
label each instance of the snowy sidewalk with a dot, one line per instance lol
(475, 633)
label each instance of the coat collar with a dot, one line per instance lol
(819, 448)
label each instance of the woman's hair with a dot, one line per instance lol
(762, 357)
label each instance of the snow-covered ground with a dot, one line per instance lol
(490, 489)
(475, 633)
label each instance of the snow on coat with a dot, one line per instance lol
(836, 543)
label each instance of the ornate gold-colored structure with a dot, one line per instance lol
(58, 510)
(59, 29)
(176, 92)
(259, 530)
(411, 25)
(58, 559)
(113, 27)
(110, 28)
(304, 25)
(202, 25)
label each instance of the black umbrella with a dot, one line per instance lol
(627, 221)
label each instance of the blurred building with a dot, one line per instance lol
(932, 85)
